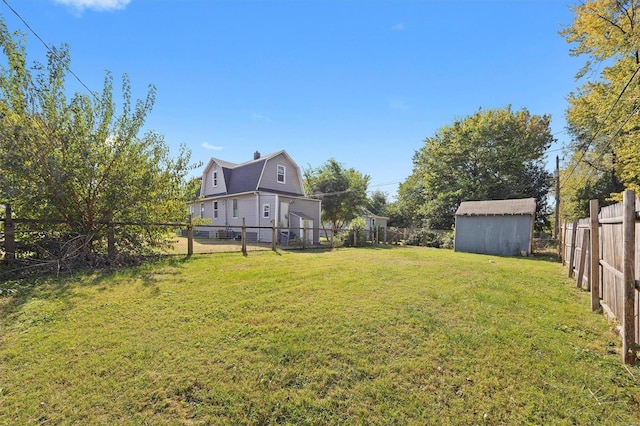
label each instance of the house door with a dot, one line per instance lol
(307, 225)
(283, 220)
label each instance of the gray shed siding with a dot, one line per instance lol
(505, 235)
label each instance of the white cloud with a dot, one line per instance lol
(260, 117)
(207, 145)
(398, 104)
(398, 27)
(99, 5)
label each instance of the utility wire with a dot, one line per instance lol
(592, 139)
(634, 112)
(49, 49)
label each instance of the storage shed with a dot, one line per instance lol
(501, 227)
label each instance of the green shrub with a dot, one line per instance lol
(428, 238)
(356, 228)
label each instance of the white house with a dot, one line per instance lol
(263, 191)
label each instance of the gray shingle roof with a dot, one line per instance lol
(243, 177)
(523, 206)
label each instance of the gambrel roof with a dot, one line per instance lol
(523, 206)
(247, 176)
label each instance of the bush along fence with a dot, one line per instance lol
(32, 239)
(612, 235)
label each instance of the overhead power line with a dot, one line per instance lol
(49, 49)
(592, 139)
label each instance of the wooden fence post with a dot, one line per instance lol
(563, 255)
(628, 273)
(583, 258)
(594, 268)
(572, 254)
(333, 233)
(9, 237)
(244, 237)
(189, 238)
(273, 235)
(111, 239)
(304, 237)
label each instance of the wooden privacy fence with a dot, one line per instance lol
(613, 234)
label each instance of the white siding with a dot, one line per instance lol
(292, 176)
(208, 188)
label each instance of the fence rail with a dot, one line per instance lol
(207, 238)
(612, 234)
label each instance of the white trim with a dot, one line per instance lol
(235, 210)
(284, 174)
(277, 210)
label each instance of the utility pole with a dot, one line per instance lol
(557, 227)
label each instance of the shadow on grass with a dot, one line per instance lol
(534, 257)
(15, 292)
(325, 249)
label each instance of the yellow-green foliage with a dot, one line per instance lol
(603, 113)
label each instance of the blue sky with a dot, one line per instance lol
(362, 81)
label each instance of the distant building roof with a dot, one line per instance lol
(366, 212)
(523, 206)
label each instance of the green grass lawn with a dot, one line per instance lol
(399, 335)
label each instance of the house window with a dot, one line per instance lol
(266, 211)
(215, 179)
(202, 211)
(235, 208)
(281, 174)
(215, 209)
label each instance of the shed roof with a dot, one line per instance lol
(523, 206)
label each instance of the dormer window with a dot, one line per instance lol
(281, 174)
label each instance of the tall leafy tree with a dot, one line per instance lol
(377, 202)
(603, 113)
(490, 155)
(76, 159)
(343, 191)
